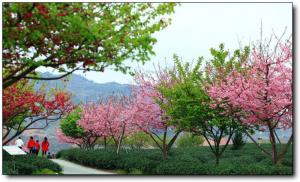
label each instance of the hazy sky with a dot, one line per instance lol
(196, 27)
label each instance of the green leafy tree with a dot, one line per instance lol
(69, 124)
(78, 36)
(188, 104)
(223, 64)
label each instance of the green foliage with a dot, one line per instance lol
(189, 140)
(69, 124)
(136, 172)
(45, 171)
(97, 35)
(133, 163)
(182, 161)
(222, 63)
(20, 168)
(189, 105)
(185, 94)
(238, 141)
(27, 165)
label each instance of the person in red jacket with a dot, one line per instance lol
(30, 145)
(45, 147)
(37, 147)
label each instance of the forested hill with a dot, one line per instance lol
(84, 90)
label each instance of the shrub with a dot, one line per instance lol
(135, 163)
(287, 162)
(136, 172)
(238, 141)
(20, 168)
(26, 164)
(182, 161)
(45, 171)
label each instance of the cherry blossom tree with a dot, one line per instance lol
(26, 109)
(109, 118)
(114, 115)
(63, 138)
(260, 94)
(71, 132)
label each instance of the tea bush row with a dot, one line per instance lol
(26, 164)
(187, 161)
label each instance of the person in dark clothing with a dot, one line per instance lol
(49, 155)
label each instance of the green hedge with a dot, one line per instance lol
(26, 164)
(187, 161)
(186, 168)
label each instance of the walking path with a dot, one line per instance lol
(72, 168)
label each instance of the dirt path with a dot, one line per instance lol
(72, 168)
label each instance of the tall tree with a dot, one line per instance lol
(261, 93)
(114, 116)
(188, 105)
(77, 36)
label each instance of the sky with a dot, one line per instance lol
(197, 27)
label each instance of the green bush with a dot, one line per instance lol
(182, 161)
(133, 163)
(45, 171)
(27, 164)
(237, 141)
(20, 168)
(178, 168)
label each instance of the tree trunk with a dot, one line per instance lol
(165, 154)
(217, 159)
(284, 150)
(164, 145)
(120, 139)
(273, 144)
(105, 144)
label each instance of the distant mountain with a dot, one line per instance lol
(83, 90)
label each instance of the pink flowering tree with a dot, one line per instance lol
(260, 94)
(75, 129)
(92, 123)
(112, 118)
(63, 138)
(148, 115)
